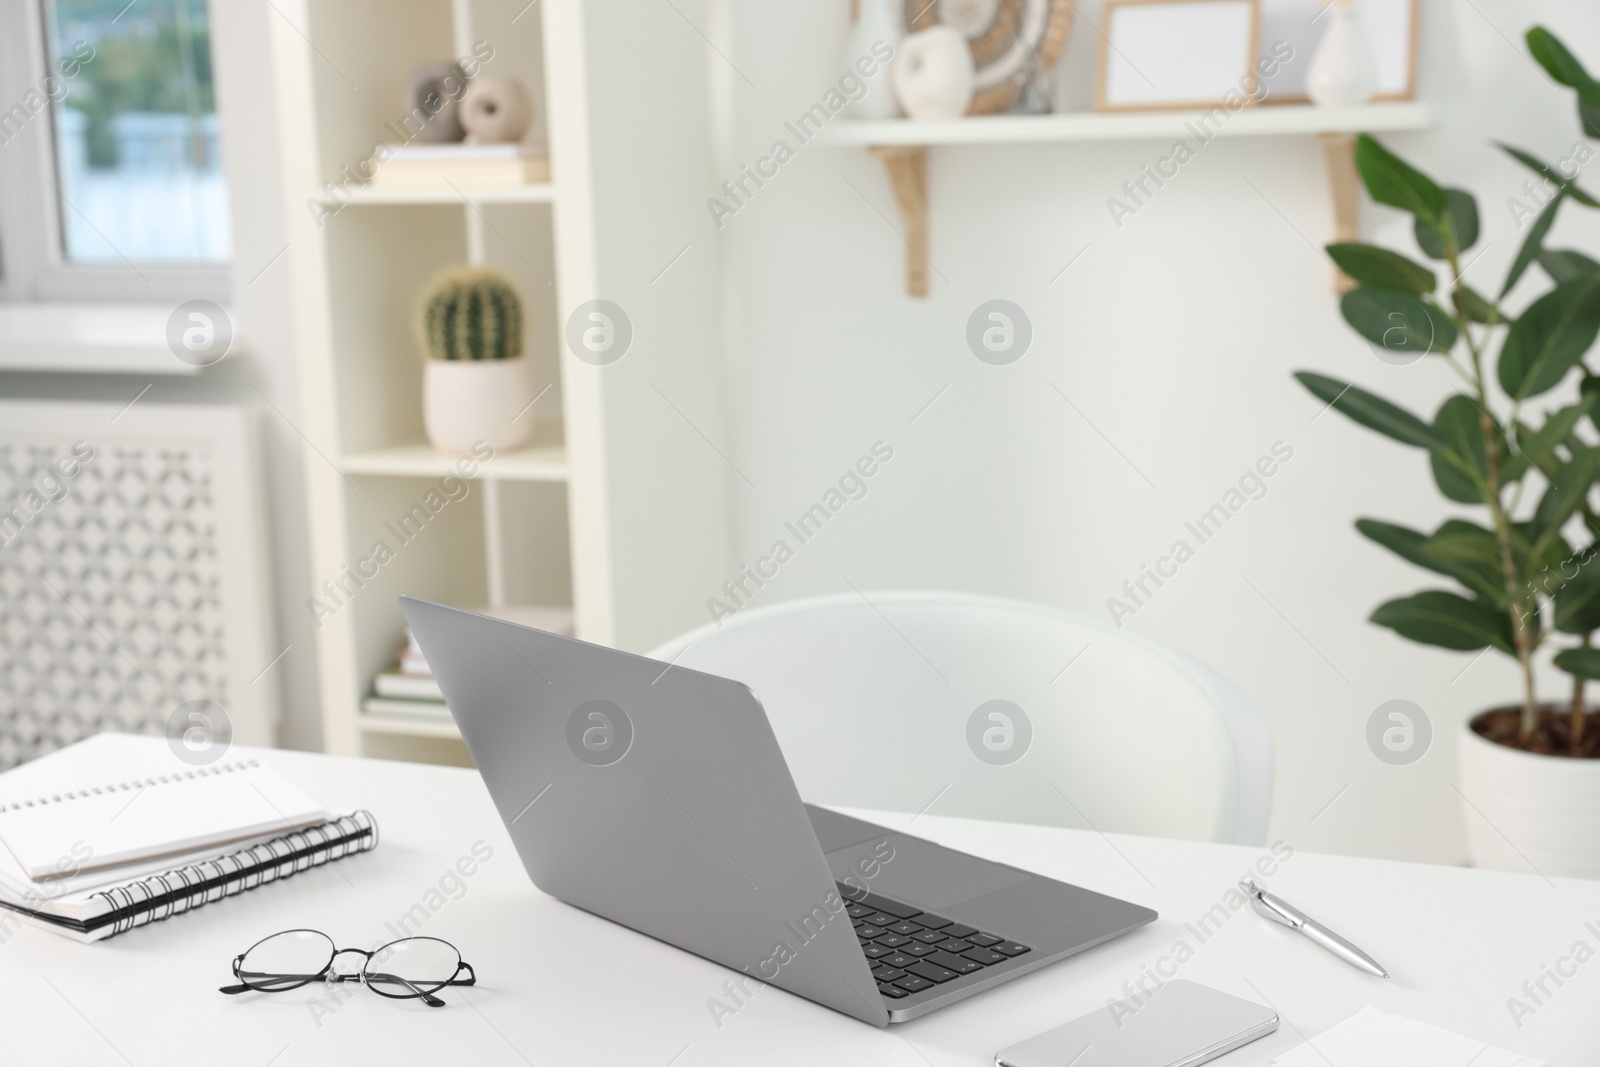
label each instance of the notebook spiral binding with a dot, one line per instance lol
(175, 892)
(131, 784)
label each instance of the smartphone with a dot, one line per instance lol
(1178, 1024)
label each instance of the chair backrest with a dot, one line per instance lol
(995, 709)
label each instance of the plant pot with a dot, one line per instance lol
(467, 401)
(1526, 809)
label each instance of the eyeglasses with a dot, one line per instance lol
(413, 968)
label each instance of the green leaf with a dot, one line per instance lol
(1380, 268)
(1550, 338)
(1575, 583)
(1449, 620)
(1478, 307)
(1463, 220)
(1460, 468)
(1554, 57)
(1589, 117)
(1371, 411)
(1390, 180)
(1471, 555)
(1580, 662)
(1564, 67)
(1566, 492)
(1537, 444)
(1533, 244)
(1567, 266)
(1589, 389)
(1549, 174)
(1402, 541)
(1399, 322)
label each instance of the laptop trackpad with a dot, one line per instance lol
(921, 873)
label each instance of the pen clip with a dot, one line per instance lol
(1270, 906)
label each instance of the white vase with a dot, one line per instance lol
(465, 401)
(1342, 73)
(933, 74)
(876, 20)
(1525, 810)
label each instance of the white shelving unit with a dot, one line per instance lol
(616, 510)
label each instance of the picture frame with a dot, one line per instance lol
(1165, 55)
(1392, 29)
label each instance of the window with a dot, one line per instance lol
(109, 138)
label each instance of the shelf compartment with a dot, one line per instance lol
(532, 193)
(384, 716)
(544, 460)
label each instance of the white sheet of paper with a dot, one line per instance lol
(1371, 1038)
(1178, 54)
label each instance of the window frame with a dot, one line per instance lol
(32, 250)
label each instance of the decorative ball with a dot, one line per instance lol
(496, 111)
(432, 103)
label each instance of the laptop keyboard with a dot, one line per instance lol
(910, 950)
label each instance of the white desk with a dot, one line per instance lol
(557, 986)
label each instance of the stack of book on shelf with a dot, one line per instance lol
(407, 689)
(439, 166)
(119, 831)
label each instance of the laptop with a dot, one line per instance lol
(657, 797)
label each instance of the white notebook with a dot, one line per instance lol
(79, 827)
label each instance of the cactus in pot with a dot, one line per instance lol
(470, 313)
(477, 385)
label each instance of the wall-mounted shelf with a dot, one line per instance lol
(1269, 121)
(903, 145)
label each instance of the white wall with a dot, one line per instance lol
(1174, 336)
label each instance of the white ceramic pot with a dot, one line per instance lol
(1524, 809)
(933, 74)
(465, 401)
(1342, 73)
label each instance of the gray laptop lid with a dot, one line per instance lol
(655, 797)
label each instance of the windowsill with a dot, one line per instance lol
(89, 339)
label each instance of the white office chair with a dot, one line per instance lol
(882, 700)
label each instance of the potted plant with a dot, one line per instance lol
(1529, 773)
(477, 384)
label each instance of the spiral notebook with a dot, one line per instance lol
(160, 815)
(96, 860)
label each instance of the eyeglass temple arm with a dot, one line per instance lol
(299, 979)
(427, 998)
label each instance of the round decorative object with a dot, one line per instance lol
(496, 111)
(433, 102)
(1013, 42)
(932, 74)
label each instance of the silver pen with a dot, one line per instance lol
(1281, 911)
